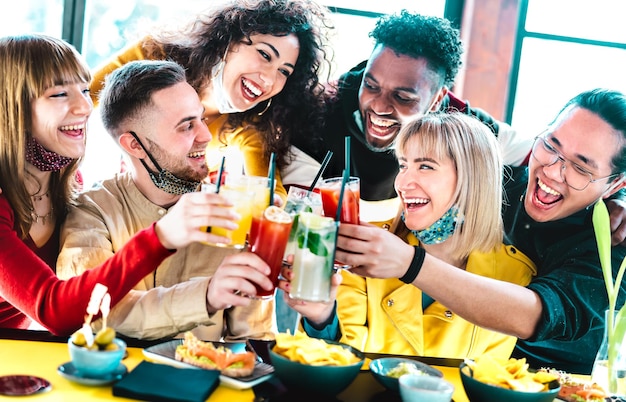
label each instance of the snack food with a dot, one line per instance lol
(313, 351)
(511, 374)
(404, 368)
(577, 390)
(204, 354)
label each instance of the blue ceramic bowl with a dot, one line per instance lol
(380, 368)
(327, 380)
(479, 391)
(96, 363)
(424, 388)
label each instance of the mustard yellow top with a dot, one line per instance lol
(242, 146)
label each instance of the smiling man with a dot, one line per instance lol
(413, 64)
(156, 118)
(559, 316)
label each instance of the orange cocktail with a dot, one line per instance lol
(330, 189)
(270, 243)
(260, 186)
(242, 204)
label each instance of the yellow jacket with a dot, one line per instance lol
(246, 140)
(385, 315)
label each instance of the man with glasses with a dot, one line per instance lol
(559, 316)
(575, 176)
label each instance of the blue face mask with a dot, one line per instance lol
(442, 229)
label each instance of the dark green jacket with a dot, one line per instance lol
(569, 282)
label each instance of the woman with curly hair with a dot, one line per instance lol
(255, 65)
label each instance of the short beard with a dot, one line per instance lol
(178, 170)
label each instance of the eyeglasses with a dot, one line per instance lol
(572, 174)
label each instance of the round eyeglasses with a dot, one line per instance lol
(572, 174)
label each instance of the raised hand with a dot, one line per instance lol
(183, 222)
(234, 280)
(316, 312)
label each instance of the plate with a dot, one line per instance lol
(67, 370)
(166, 353)
(18, 385)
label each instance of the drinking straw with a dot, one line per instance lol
(347, 154)
(272, 171)
(320, 172)
(344, 181)
(219, 175)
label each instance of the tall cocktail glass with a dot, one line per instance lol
(300, 200)
(313, 257)
(242, 204)
(330, 190)
(260, 186)
(270, 243)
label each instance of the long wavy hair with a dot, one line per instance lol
(30, 64)
(298, 109)
(476, 155)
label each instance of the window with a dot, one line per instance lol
(565, 48)
(42, 16)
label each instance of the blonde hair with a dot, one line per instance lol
(31, 64)
(476, 155)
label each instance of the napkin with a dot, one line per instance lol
(160, 382)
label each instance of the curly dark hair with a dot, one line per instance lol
(415, 35)
(298, 109)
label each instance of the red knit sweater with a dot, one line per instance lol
(29, 288)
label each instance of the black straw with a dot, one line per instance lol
(320, 172)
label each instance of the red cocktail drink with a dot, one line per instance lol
(330, 189)
(270, 243)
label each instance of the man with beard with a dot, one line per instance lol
(559, 317)
(414, 62)
(156, 117)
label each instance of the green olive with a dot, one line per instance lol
(78, 339)
(111, 346)
(104, 337)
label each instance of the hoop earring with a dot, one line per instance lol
(269, 102)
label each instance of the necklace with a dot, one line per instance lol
(44, 218)
(34, 215)
(39, 197)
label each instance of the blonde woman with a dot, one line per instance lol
(450, 185)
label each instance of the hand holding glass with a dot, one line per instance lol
(313, 258)
(242, 204)
(270, 243)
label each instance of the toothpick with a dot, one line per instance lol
(105, 307)
(94, 302)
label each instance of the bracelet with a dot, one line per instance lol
(415, 266)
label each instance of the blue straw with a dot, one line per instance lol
(272, 171)
(219, 175)
(344, 181)
(347, 154)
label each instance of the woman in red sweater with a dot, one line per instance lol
(44, 93)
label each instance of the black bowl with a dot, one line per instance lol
(328, 380)
(477, 391)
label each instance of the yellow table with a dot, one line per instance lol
(42, 359)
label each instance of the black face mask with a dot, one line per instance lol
(164, 179)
